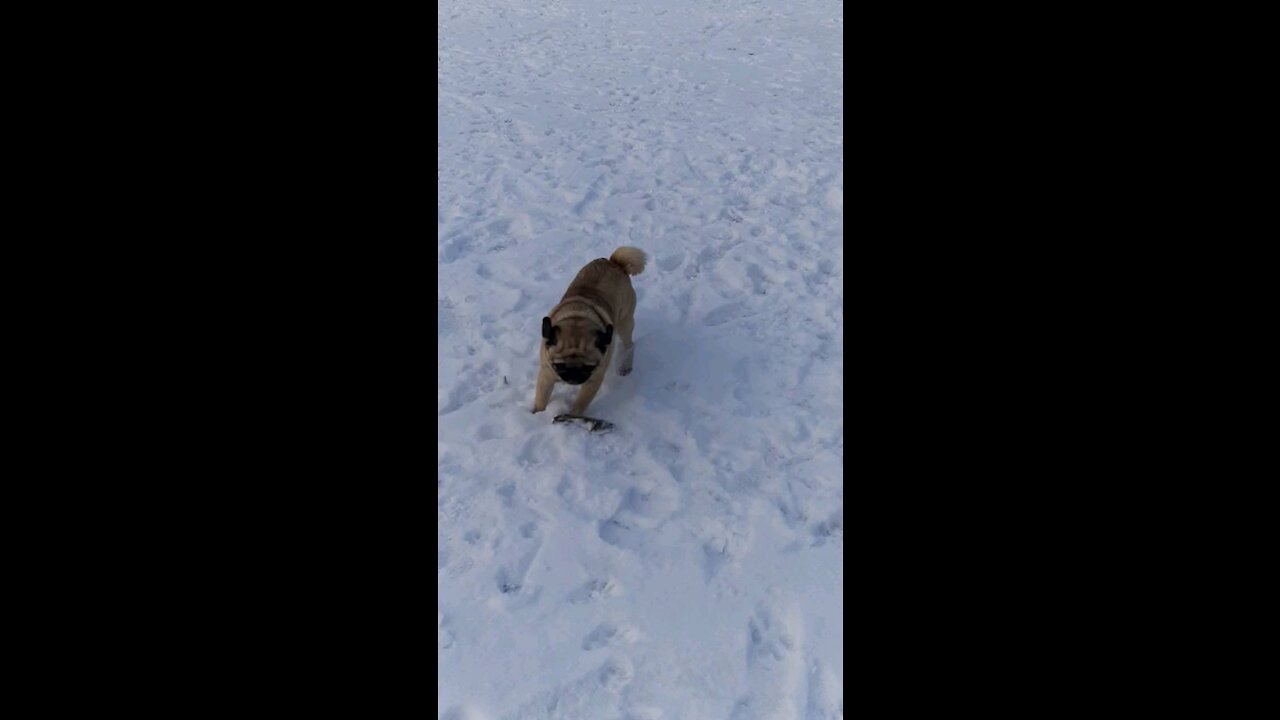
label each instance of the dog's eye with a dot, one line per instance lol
(558, 366)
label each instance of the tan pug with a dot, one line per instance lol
(578, 333)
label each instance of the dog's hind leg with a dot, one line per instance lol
(625, 328)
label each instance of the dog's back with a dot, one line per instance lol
(609, 280)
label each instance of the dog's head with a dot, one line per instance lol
(576, 347)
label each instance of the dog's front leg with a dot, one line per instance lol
(542, 394)
(625, 329)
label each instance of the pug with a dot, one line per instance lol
(578, 334)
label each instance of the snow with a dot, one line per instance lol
(688, 564)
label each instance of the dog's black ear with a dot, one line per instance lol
(604, 338)
(548, 331)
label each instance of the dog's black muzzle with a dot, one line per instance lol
(573, 374)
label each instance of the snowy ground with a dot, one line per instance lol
(689, 564)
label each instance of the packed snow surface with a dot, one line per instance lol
(689, 564)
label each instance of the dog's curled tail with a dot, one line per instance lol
(630, 259)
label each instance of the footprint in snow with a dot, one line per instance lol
(538, 451)
(460, 712)
(831, 529)
(826, 701)
(671, 262)
(726, 313)
(757, 279)
(775, 665)
(511, 576)
(593, 695)
(457, 248)
(610, 634)
(596, 590)
(444, 638)
(641, 512)
(507, 492)
(722, 545)
(470, 386)
(616, 674)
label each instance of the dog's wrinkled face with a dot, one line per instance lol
(575, 347)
